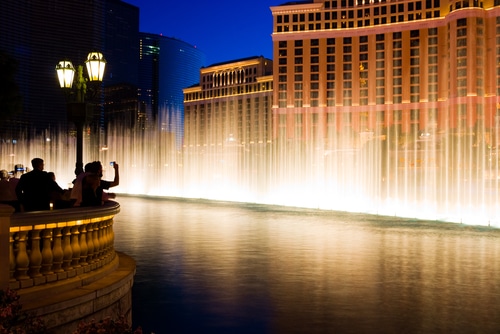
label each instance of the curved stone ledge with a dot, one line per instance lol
(36, 218)
(63, 265)
(106, 292)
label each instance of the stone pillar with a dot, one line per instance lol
(5, 212)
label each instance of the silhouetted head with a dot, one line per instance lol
(37, 163)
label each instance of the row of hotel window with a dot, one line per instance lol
(209, 92)
(222, 112)
(348, 19)
(231, 76)
(351, 3)
(377, 10)
(402, 8)
(250, 117)
(353, 23)
(432, 68)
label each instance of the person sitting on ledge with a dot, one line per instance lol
(105, 185)
(7, 196)
(92, 186)
(90, 194)
(16, 175)
(59, 197)
(34, 188)
(76, 191)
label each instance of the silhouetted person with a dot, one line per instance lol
(90, 193)
(7, 196)
(76, 191)
(16, 175)
(105, 185)
(59, 196)
(34, 188)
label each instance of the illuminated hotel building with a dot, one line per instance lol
(352, 66)
(231, 104)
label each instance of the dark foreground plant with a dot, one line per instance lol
(108, 326)
(13, 320)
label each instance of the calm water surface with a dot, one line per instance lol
(209, 267)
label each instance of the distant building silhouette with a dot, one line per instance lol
(144, 76)
(38, 34)
(122, 55)
(167, 65)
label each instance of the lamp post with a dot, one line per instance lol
(76, 94)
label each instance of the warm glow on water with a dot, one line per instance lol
(211, 267)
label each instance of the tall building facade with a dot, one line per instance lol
(38, 34)
(406, 67)
(122, 55)
(228, 127)
(231, 105)
(166, 66)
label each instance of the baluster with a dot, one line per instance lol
(83, 245)
(102, 240)
(67, 251)
(75, 246)
(57, 251)
(47, 256)
(36, 254)
(90, 243)
(104, 228)
(111, 235)
(22, 259)
(12, 258)
(97, 244)
(105, 239)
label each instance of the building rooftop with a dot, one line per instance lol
(234, 61)
(296, 2)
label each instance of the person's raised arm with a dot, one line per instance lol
(116, 181)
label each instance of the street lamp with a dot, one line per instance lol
(77, 106)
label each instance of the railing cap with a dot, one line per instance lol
(63, 215)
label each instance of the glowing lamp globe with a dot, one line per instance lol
(65, 73)
(95, 66)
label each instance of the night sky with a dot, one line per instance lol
(224, 30)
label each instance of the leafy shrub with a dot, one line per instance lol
(13, 320)
(108, 326)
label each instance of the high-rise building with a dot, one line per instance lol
(228, 123)
(406, 67)
(38, 34)
(231, 105)
(166, 66)
(122, 55)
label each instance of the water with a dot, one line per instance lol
(445, 176)
(215, 267)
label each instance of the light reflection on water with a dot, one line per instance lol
(211, 267)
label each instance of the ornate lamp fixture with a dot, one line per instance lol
(77, 109)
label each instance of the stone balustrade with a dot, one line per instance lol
(63, 265)
(50, 246)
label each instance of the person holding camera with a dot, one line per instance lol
(90, 186)
(105, 185)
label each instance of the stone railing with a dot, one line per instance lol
(43, 247)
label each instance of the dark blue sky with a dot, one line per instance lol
(223, 29)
